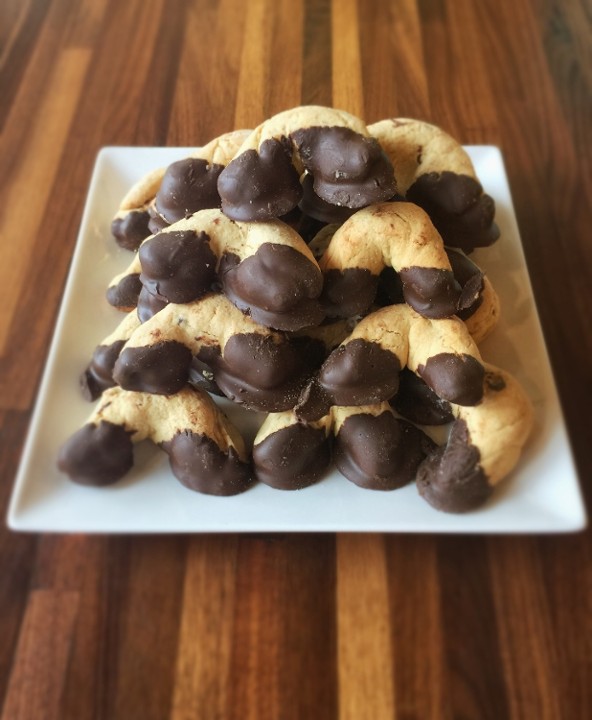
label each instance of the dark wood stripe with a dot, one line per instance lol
(472, 664)
(316, 77)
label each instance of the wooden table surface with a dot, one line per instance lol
(292, 626)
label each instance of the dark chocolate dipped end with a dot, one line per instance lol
(178, 266)
(348, 169)
(199, 464)
(470, 277)
(97, 454)
(277, 286)
(188, 185)
(315, 207)
(432, 292)
(131, 229)
(124, 295)
(458, 208)
(149, 304)
(98, 376)
(292, 458)
(360, 373)
(162, 368)
(379, 452)
(451, 478)
(261, 373)
(417, 402)
(348, 292)
(260, 185)
(458, 378)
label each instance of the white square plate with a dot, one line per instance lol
(541, 495)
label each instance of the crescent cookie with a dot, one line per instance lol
(265, 269)
(165, 195)
(364, 368)
(435, 172)
(206, 451)
(348, 167)
(398, 235)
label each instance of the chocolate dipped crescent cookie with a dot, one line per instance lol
(165, 195)
(435, 172)
(251, 364)
(364, 368)
(265, 269)
(206, 451)
(398, 235)
(347, 167)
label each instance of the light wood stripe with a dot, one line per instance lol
(348, 92)
(31, 189)
(365, 669)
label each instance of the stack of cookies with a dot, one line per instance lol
(315, 269)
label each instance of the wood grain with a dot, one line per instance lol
(287, 626)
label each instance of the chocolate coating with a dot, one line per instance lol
(125, 294)
(348, 292)
(149, 304)
(199, 464)
(416, 401)
(451, 478)
(156, 222)
(357, 373)
(277, 286)
(470, 277)
(162, 368)
(179, 265)
(130, 230)
(97, 454)
(98, 376)
(432, 292)
(256, 371)
(315, 207)
(347, 168)
(292, 458)
(379, 452)
(457, 206)
(188, 185)
(260, 185)
(456, 378)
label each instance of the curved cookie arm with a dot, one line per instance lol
(206, 452)
(397, 235)
(434, 171)
(484, 446)
(365, 368)
(166, 195)
(251, 364)
(348, 167)
(266, 269)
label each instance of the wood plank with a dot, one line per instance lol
(42, 655)
(364, 632)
